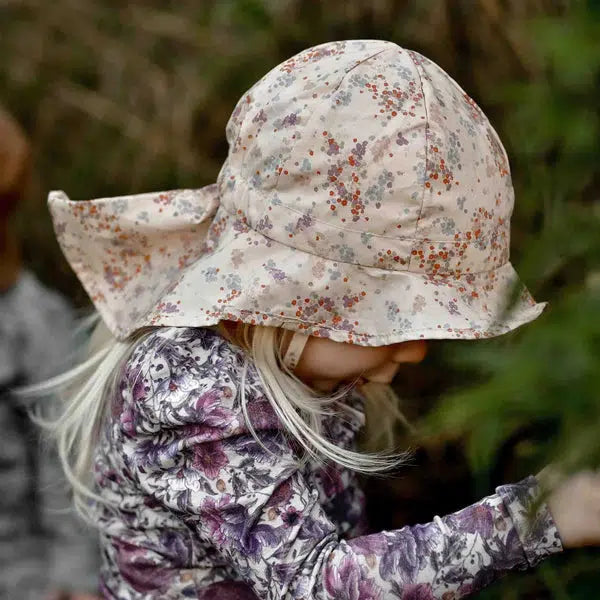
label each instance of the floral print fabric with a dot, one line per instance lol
(197, 508)
(365, 197)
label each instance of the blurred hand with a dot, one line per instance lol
(574, 502)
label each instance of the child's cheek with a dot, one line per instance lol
(383, 374)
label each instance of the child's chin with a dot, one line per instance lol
(375, 379)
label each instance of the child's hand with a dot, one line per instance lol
(575, 506)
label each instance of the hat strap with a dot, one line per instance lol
(292, 355)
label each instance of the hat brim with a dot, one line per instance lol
(251, 278)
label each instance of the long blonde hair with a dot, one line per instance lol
(84, 391)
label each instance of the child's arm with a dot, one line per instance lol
(257, 509)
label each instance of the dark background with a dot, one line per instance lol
(125, 97)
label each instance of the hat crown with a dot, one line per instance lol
(367, 153)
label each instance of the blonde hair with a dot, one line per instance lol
(84, 391)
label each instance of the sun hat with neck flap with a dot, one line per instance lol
(365, 198)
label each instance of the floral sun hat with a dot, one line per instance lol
(365, 198)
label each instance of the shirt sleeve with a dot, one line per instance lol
(251, 501)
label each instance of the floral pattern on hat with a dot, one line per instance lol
(365, 198)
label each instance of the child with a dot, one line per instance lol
(43, 551)
(363, 208)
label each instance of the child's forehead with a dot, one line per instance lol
(367, 153)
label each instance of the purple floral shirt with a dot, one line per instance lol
(199, 509)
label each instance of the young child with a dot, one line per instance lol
(364, 208)
(44, 550)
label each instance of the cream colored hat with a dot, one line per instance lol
(365, 198)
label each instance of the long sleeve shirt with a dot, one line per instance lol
(196, 507)
(43, 545)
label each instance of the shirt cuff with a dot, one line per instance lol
(532, 519)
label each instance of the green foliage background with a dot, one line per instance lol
(123, 97)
